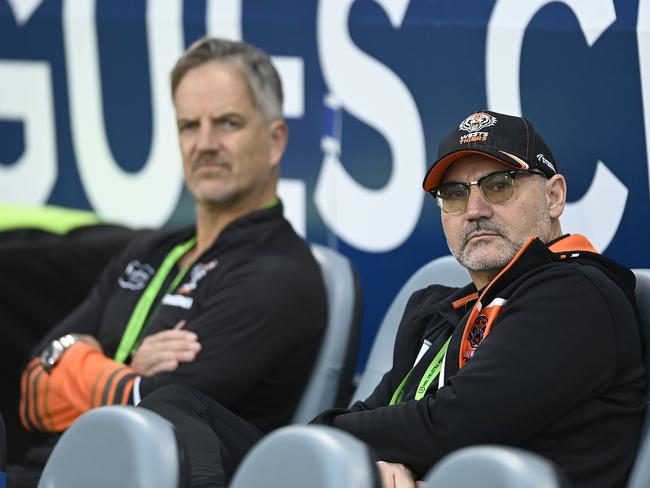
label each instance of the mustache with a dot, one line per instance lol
(478, 226)
(208, 158)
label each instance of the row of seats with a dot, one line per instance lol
(312, 456)
(322, 457)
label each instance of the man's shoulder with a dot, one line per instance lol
(600, 271)
(434, 296)
(580, 282)
(277, 261)
(436, 292)
(160, 240)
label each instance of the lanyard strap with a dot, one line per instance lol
(426, 380)
(141, 310)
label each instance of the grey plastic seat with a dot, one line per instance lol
(307, 456)
(640, 475)
(493, 467)
(116, 446)
(445, 271)
(332, 375)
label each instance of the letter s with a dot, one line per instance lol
(371, 220)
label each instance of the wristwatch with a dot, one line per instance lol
(55, 350)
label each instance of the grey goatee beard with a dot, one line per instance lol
(485, 263)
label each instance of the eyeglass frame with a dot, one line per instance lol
(513, 173)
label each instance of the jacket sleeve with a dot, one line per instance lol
(260, 319)
(84, 378)
(534, 366)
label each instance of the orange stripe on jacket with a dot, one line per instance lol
(456, 304)
(465, 346)
(572, 244)
(67, 391)
(481, 323)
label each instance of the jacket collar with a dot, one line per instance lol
(535, 253)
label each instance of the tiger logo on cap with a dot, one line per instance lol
(477, 121)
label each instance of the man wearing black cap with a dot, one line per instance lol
(540, 351)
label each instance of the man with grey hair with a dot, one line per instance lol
(233, 306)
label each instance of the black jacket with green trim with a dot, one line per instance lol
(560, 373)
(255, 298)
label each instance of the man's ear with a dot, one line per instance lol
(556, 195)
(278, 135)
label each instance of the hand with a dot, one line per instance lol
(396, 475)
(164, 350)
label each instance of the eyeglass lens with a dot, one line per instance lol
(495, 187)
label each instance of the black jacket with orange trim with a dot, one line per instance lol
(559, 372)
(257, 304)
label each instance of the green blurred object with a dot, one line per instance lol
(58, 220)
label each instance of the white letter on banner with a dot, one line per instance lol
(505, 36)
(223, 19)
(371, 220)
(26, 96)
(643, 41)
(23, 9)
(146, 198)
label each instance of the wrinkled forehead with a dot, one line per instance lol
(471, 167)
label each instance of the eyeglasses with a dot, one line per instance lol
(497, 187)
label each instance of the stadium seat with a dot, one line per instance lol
(493, 467)
(116, 446)
(313, 456)
(331, 380)
(445, 271)
(640, 475)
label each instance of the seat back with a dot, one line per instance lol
(116, 446)
(493, 467)
(642, 292)
(640, 475)
(445, 271)
(331, 379)
(313, 456)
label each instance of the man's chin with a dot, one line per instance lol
(210, 192)
(486, 255)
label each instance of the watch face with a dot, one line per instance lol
(51, 354)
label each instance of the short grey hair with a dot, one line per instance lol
(261, 77)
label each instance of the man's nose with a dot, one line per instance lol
(477, 206)
(208, 139)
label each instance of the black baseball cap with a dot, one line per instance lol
(507, 139)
